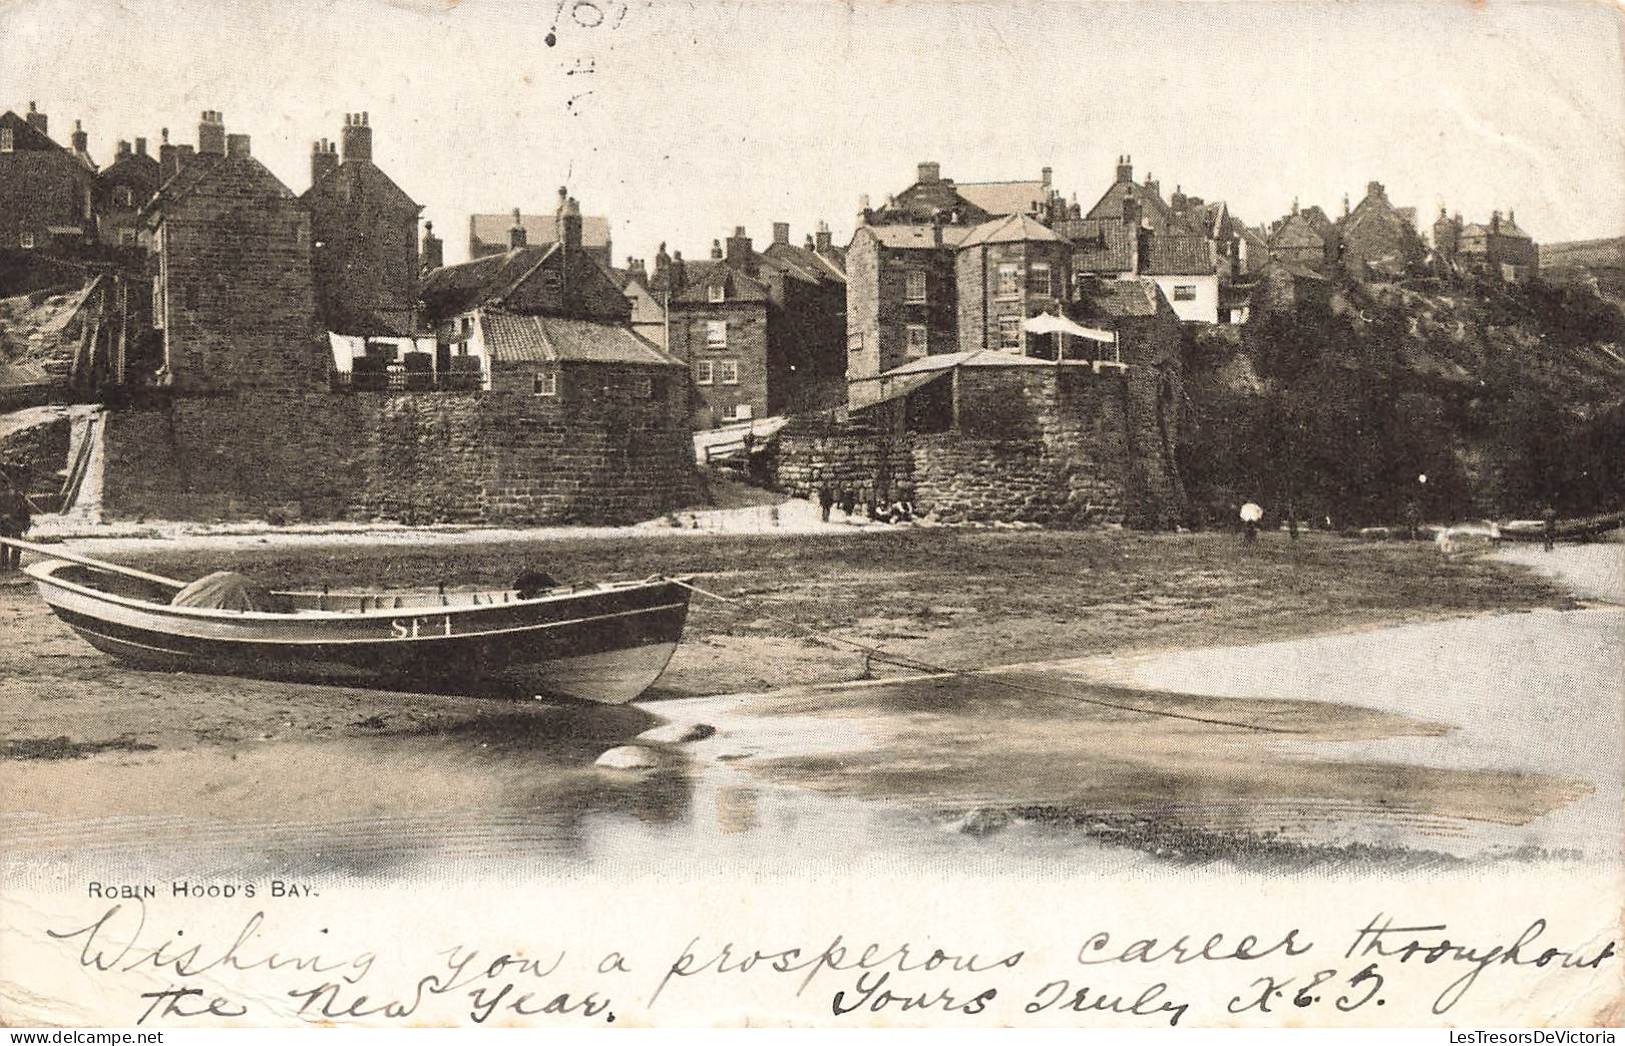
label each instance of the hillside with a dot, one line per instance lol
(1504, 397)
(1597, 264)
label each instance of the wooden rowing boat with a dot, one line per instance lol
(604, 642)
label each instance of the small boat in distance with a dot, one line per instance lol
(605, 642)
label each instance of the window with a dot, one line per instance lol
(1038, 279)
(6, 143)
(854, 341)
(25, 240)
(643, 386)
(1009, 285)
(126, 238)
(727, 372)
(917, 341)
(716, 334)
(123, 196)
(704, 373)
(1184, 292)
(718, 292)
(547, 383)
(914, 287)
(551, 282)
(1009, 333)
(468, 325)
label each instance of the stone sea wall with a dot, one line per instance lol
(460, 457)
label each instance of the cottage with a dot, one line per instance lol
(364, 237)
(759, 331)
(1378, 239)
(233, 293)
(1498, 247)
(47, 192)
(122, 188)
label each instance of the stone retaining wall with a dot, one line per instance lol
(508, 458)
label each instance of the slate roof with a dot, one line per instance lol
(1098, 244)
(540, 229)
(804, 264)
(1110, 205)
(1002, 198)
(700, 277)
(356, 180)
(920, 237)
(1116, 299)
(554, 339)
(1015, 228)
(200, 171)
(1177, 255)
(453, 289)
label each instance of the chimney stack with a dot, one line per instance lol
(740, 255)
(570, 224)
(355, 139)
(433, 251)
(930, 173)
(1346, 211)
(864, 213)
(679, 272)
(1125, 168)
(81, 140)
(1512, 218)
(1375, 189)
(781, 232)
(211, 134)
(1178, 200)
(1151, 185)
(1048, 177)
(716, 250)
(123, 148)
(237, 146)
(516, 232)
(36, 119)
(821, 241)
(322, 159)
(662, 262)
(1495, 221)
(141, 147)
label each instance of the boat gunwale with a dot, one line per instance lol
(45, 573)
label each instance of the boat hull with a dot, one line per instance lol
(606, 644)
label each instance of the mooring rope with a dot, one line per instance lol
(878, 654)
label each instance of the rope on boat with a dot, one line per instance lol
(876, 654)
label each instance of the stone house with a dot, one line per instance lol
(559, 279)
(1130, 247)
(47, 192)
(761, 332)
(1377, 238)
(901, 295)
(1006, 270)
(233, 291)
(495, 234)
(1497, 247)
(364, 238)
(122, 188)
(1306, 238)
(648, 308)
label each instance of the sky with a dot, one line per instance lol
(682, 120)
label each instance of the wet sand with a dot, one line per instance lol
(1026, 766)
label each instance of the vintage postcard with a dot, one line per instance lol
(589, 513)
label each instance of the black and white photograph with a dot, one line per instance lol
(621, 513)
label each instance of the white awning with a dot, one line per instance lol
(1045, 323)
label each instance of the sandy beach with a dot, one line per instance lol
(1157, 698)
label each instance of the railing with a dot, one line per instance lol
(406, 381)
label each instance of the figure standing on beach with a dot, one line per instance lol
(1250, 515)
(1548, 520)
(826, 499)
(15, 518)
